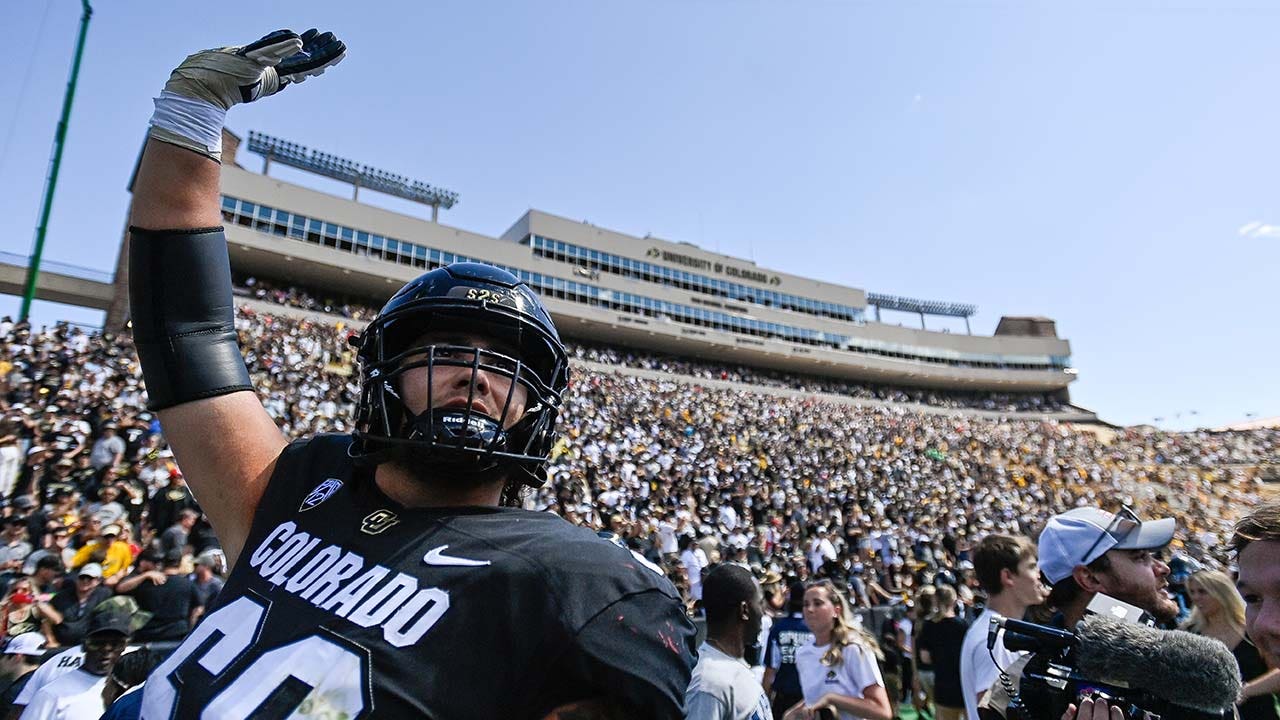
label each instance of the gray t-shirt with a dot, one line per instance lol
(724, 688)
(105, 450)
(19, 550)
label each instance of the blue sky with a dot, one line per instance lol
(1107, 163)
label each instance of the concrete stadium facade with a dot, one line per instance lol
(608, 287)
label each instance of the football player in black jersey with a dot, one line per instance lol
(386, 573)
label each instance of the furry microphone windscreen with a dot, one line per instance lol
(1184, 669)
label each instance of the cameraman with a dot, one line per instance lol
(1087, 551)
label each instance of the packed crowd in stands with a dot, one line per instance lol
(1002, 402)
(883, 500)
(293, 296)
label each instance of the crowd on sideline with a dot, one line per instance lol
(305, 299)
(884, 504)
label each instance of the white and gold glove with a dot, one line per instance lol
(193, 105)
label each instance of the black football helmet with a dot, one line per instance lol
(470, 299)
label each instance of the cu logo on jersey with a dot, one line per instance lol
(322, 492)
(378, 521)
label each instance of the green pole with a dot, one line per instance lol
(51, 182)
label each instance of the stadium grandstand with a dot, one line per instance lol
(610, 290)
(717, 411)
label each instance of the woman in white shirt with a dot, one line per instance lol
(838, 671)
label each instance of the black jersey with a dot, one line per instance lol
(344, 604)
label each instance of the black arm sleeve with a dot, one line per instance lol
(183, 317)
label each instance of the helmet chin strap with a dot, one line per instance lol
(452, 429)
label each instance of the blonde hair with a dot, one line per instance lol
(1220, 587)
(944, 601)
(845, 631)
(925, 599)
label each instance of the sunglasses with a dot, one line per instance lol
(1124, 522)
(108, 643)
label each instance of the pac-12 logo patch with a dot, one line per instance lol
(377, 521)
(322, 492)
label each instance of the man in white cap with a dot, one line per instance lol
(68, 610)
(21, 658)
(1086, 552)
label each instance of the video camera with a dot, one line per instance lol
(1149, 674)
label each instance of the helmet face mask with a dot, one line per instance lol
(482, 329)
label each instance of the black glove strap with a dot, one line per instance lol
(183, 316)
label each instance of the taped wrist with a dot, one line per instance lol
(190, 123)
(183, 316)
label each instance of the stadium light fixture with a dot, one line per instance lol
(926, 307)
(274, 149)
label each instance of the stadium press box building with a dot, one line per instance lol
(611, 288)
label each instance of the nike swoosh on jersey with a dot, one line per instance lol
(436, 556)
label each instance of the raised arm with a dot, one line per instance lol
(180, 282)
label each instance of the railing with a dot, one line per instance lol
(59, 268)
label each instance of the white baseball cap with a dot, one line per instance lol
(1080, 536)
(28, 643)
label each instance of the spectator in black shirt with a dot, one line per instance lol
(168, 594)
(939, 644)
(36, 518)
(168, 501)
(46, 575)
(68, 611)
(202, 538)
(84, 475)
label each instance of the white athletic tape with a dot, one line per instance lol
(196, 120)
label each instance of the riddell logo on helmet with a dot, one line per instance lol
(475, 426)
